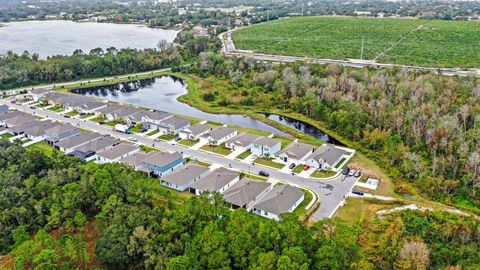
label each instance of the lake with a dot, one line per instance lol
(49, 38)
(161, 94)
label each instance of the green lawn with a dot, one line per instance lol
(44, 147)
(147, 149)
(98, 119)
(298, 169)
(244, 155)
(340, 163)
(153, 132)
(6, 136)
(285, 140)
(253, 176)
(111, 123)
(322, 174)
(72, 113)
(221, 149)
(269, 162)
(167, 137)
(86, 115)
(136, 129)
(421, 42)
(300, 211)
(188, 143)
(56, 109)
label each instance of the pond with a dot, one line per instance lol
(303, 127)
(49, 38)
(161, 94)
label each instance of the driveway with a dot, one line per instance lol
(330, 192)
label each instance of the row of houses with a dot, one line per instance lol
(259, 197)
(165, 122)
(324, 157)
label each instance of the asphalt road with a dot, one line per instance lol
(330, 192)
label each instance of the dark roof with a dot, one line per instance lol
(297, 150)
(185, 174)
(162, 158)
(245, 191)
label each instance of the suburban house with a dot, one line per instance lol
(89, 107)
(172, 124)
(39, 132)
(183, 177)
(136, 161)
(266, 147)
(4, 109)
(60, 132)
(243, 141)
(73, 102)
(217, 181)
(281, 199)
(116, 153)
(15, 118)
(91, 148)
(20, 129)
(194, 132)
(38, 94)
(135, 117)
(220, 135)
(151, 119)
(245, 193)
(296, 152)
(69, 144)
(107, 109)
(326, 157)
(121, 113)
(163, 163)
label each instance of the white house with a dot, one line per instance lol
(217, 181)
(220, 135)
(242, 142)
(326, 157)
(116, 153)
(194, 132)
(281, 199)
(266, 147)
(184, 177)
(296, 152)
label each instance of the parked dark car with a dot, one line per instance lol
(33, 107)
(101, 123)
(66, 116)
(292, 166)
(82, 113)
(346, 171)
(263, 173)
(358, 192)
(358, 173)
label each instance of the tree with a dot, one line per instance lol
(413, 255)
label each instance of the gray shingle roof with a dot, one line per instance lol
(60, 129)
(197, 129)
(77, 139)
(221, 132)
(216, 180)
(156, 115)
(98, 144)
(135, 160)
(25, 126)
(117, 151)
(40, 130)
(19, 119)
(280, 199)
(11, 114)
(185, 174)
(162, 158)
(245, 191)
(297, 150)
(244, 139)
(109, 108)
(173, 120)
(270, 142)
(328, 153)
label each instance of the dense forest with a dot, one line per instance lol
(421, 127)
(57, 212)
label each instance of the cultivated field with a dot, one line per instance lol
(402, 41)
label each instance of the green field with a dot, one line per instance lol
(436, 43)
